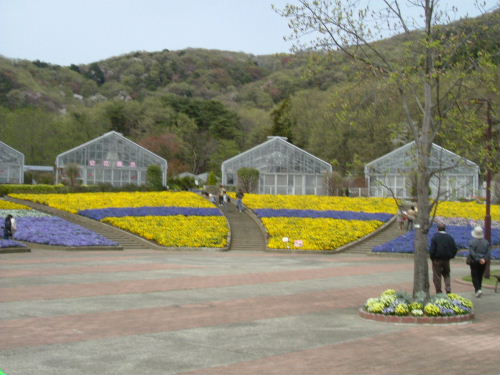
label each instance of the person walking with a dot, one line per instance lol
(7, 227)
(443, 248)
(479, 253)
(239, 202)
(411, 216)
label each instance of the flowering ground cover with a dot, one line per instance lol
(173, 219)
(459, 227)
(318, 222)
(10, 243)
(178, 230)
(392, 302)
(6, 205)
(102, 213)
(316, 234)
(89, 201)
(38, 227)
(320, 203)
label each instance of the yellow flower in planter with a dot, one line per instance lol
(432, 310)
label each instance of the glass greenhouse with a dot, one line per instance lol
(11, 165)
(284, 168)
(459, 177)
(110, 158)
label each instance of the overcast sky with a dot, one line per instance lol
(68, 32)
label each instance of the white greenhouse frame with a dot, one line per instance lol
(458, 177)
(110, 158)
(283, 169)
(11, 165)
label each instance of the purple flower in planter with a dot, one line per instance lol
(329, 214)
(461, 234)
(99, 214)
(10, 243)
(56, 231)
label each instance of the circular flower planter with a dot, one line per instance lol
(415, 319)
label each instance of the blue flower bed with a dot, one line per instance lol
(461, 234)
(53, 230)
(99, 214)
(10, 243)
(329, 214)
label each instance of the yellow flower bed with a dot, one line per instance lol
(6, 205)
(318, 233)
(320, 203)
(470, 210)
(177, 231)
(83, 201)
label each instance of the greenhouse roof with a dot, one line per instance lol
(9, 154)
(115, 135)
(283, 140)
(401, 158)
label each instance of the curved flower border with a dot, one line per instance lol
(397, 303)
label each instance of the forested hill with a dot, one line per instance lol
(199, 107)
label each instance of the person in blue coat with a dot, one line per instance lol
(443, 248)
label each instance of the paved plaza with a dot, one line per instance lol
(237, 312)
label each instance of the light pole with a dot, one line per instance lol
(487, 218)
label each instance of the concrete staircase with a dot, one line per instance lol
(125, 239)
(365, 246)
(245, 232)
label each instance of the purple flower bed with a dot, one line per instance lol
(10, 243)
(495, 253)
(56, 231)
(99, 214)
(461, 234)
(330, 214)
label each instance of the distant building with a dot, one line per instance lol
(459, 177)
(199, 179)
(11, 165)
(284, 168)
(110, 158)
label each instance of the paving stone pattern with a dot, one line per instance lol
(238, 312)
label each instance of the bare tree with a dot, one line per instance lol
(422, 74)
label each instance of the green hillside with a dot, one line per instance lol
(199, 107)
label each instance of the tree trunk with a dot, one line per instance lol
(423, 142)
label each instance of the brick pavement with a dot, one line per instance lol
(234, 313)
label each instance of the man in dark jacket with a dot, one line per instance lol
(443, 248)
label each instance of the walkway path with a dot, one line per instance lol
(238, 312)
(245, 233)
(365, 247)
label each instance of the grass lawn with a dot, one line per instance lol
(491, 281)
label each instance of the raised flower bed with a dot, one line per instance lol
(38, 227)
(458, 227)
(172, 219)
(398, 307)
(320, 223)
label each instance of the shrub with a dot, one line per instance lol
(248, 179)
(154, 177)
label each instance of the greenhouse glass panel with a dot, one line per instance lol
(458, 177)
(111, 158)
(11, 165)
(283, 168)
